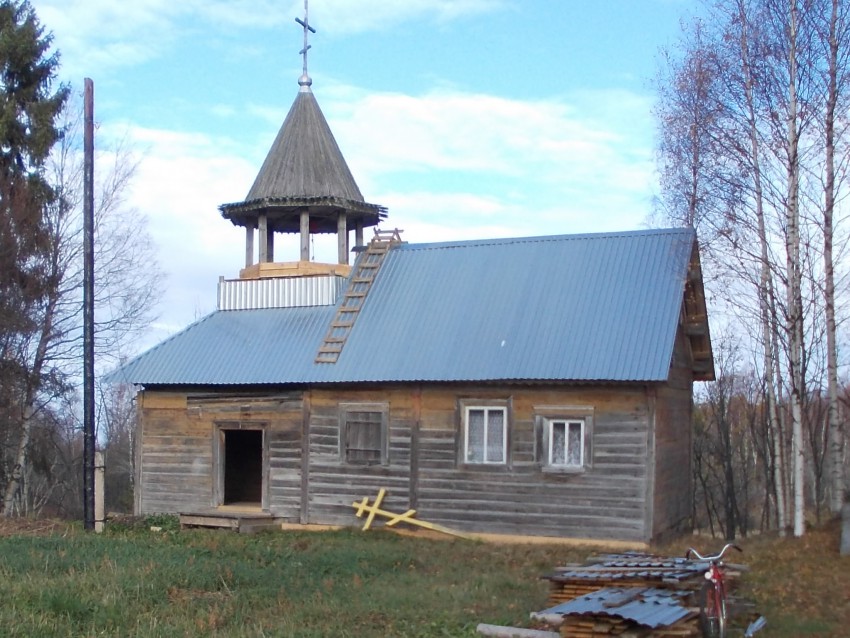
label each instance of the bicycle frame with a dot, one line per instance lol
(713, 595)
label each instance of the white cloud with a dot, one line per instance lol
(180, 183)
(448, 165)
(95, 35)
(482, 156)
(347, 16)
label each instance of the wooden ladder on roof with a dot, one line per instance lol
(364, 273)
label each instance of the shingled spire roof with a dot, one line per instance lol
(304, 168)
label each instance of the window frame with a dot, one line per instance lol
(551, 422)
(487, 407)
(544, 418)
(345, 409)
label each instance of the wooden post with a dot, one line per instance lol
(305, 235)
(249, 244)
(88, 307)
(270, 246)
(263, 231)
(415, 448)
(358, 233)
(99, 513)
(342, 236)
(306, 407)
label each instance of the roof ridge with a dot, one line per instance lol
(501, 241)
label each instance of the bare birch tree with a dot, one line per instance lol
(126, 282)
(759, 74)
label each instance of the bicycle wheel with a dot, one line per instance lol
(712, 611)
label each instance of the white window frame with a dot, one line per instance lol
(544, 416)
(487, 409)
(550, 432)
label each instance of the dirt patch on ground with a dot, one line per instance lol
(32, 527)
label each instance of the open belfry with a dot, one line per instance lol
(303, 187)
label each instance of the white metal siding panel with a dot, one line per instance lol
(282, 292)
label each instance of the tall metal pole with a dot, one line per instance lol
(88, 306)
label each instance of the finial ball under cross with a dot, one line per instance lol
(304, 81)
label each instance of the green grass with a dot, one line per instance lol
(132, 582)
(345, 583)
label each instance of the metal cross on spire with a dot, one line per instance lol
(304, 81)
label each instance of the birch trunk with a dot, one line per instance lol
(794, 300)
(835, 440)
(767, 307)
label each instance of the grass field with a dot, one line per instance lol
(56, 580)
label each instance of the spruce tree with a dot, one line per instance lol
(30, 102)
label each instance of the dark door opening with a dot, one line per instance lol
(243, 466)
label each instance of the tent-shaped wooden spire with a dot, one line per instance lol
(304, 174)
(305, 185)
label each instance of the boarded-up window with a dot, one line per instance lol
(363, 434)
(485, 434)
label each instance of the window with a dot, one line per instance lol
(363, 434)
(485, 434)
(564, 438)
(566, 442)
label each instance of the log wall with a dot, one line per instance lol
(672, 484)
(631, 488)
(175, 465)
(604, 501)
(335, 485)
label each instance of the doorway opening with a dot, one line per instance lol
(243, 467)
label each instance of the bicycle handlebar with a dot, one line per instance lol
(715, 558)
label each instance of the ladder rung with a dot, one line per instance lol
(352, 301)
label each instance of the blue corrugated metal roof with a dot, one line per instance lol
(569, 307)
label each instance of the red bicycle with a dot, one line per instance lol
(712, 602)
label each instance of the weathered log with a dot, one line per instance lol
(500, 631)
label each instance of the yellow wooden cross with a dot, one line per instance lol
(363, 507)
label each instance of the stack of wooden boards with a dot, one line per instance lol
(628, 595)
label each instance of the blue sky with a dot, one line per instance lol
(466, 118)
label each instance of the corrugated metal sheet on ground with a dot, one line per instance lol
(633, 567)
(567, 308)
(648, 607)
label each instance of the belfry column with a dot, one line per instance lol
(305, 236)
(358, 232)
(263, 232)
(342, 236)
(270, 246)
(249, 244)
